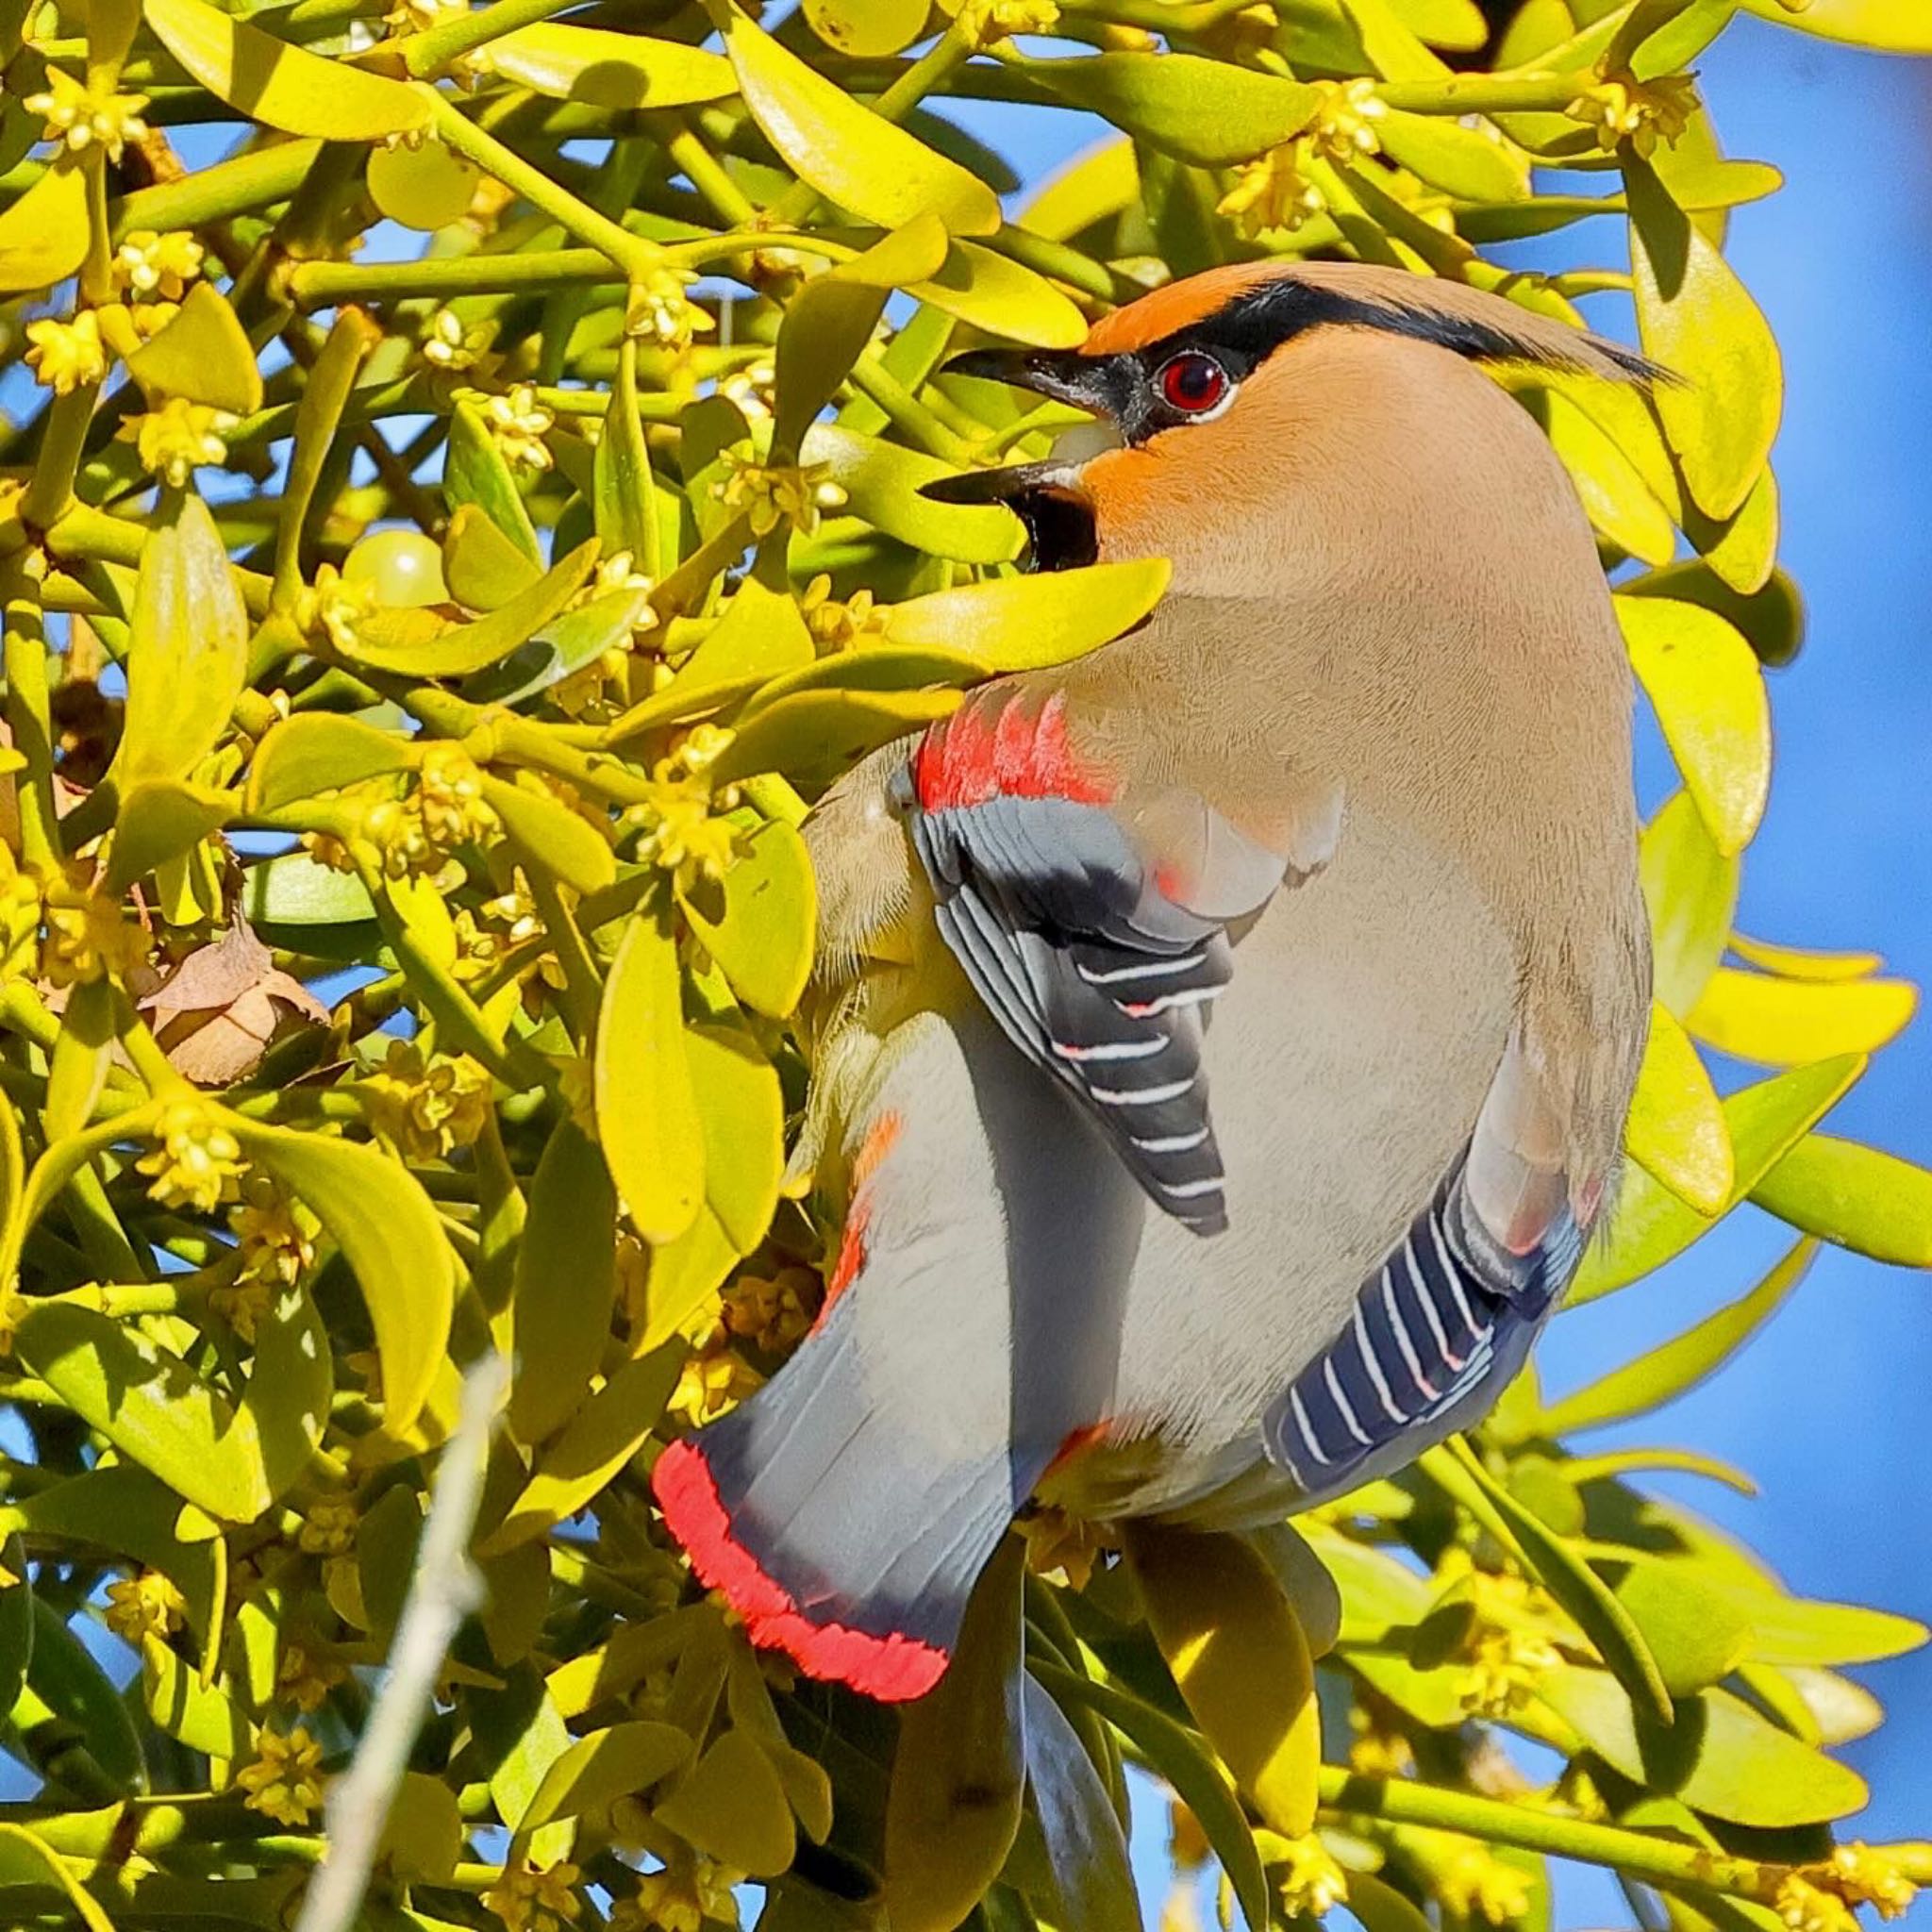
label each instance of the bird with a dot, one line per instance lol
(1221, 1041)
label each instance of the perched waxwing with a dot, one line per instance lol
(1224, 1039)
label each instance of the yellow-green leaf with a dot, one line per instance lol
(1690, 889)
(565, 1280)
(683, 1277)
(203, 353)
(1620, 504)
(279, 85)
(202, 1716)
(390, 1237)
(1677, 1126)
(732, 1806)
(606, 1432)
(187, 648)
(760, 922)
(161, 818)
(1091, 187)
(393, 640)
(1855, 1197)
(742, 1110)
(1675, 1367)
(647, 1115)
(615, 1763)
(1650, 1226)
(994, 292)
(318, 752)
(1698, 320)
(1020, 624)
(818, 734)
(849, 153)
(1788, 1023)
(1238, 1653)
(44, 235)
(1898, 26)
(1705, 681)
(26, 1859)
(1804, 962)
(625, 72)
(959, 1771)
(77, 1068)
(882, 482)
(1209, 112)
(1472, 161)
(547, 833)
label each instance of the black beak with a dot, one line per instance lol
(1065, 377)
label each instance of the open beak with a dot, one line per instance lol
(1064, 376)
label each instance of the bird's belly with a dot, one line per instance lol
(1368, 1013)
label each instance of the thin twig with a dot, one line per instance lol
(445, 1590)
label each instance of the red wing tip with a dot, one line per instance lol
(892, 1669)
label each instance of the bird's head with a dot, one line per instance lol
(1201, 393)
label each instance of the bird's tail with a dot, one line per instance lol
(846, 1509)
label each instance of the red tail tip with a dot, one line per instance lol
(894, 1669)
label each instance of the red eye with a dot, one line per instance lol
(1191, 383)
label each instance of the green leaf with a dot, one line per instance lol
(850, 154)
(828, 323)
(1898, 26)
(1313, 1598)
(1206, 111)
(77, 1068)
(1788, 1022)
(26, 1858)
(1675, 1367)
(282, 85)
(202, 1716)
(1690, 889)
(1079, 1878)
(296, 889)
(1697, 318)
(1473, 162)
(1719, 1756)
(1198, 1781)
(1855, 1197)
(387, 641)
(203, 353)
(762, 635)
(16, 1621)
(1650, 1226)
(63, 1675)
(317, 752)
(624, 492)
(187, 648)
(684, 1277)
(1620, 504)
(1023, 623)
(959, 1771)
(387, 1539)
(760, 922)
(732, 1806)
(1677, 1125)
(1693, 1627)
(647, 1115)
(869, 666)
(606, 1430)
(1705, 681)
(814, 735)
(882, 482)
(475, 472)
(161, 818)
(994, 292)
(566, 1280)
(624, 72)
(1803, 1631)
(576, 640)
(1772, 617)
(619, 1762)
(742, 1112)
(390, 1237)
(1582, 1594)
(1238, 1653)
(547, 834)
(43, 234)
(481, 567)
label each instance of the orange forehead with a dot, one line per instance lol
(1176, 306)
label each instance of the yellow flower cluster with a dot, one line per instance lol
(771, 1314)
(1056, 1541)
(329, 1527)
(67, 356)
(145, 1605)
(681, 1899)
(1272, 192)
(89, 936)
(1821, 1898)
(1307, 1878)
(518, 423)
(715, 1376)
(1807, 1907)
(78, 118)
(1342, 127)
(752, 389)
(983, 23)
(835, 625)
(275, 1236)
(1473, 1883)
(149, 263)
(447, 344)
(198, 1161)
(657, 310)
(774, 494)
(1621, 107)
(426, 1108)
(177, 438)
(20, 919)
(304, 1679)
(532, 1898)
(285, 1780)
(677, 826)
